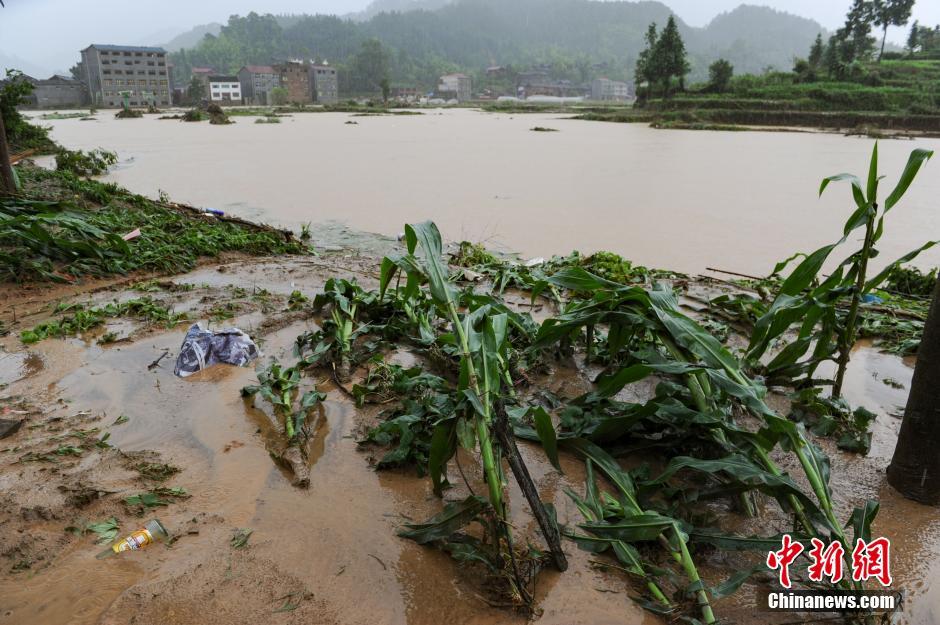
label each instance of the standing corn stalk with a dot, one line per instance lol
(480, 337)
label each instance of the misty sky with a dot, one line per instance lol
(47, 34)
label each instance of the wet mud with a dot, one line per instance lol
(327, 553)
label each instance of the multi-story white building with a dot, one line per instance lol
(225, 90)
(605, 89)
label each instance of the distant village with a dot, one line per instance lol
(111, 76)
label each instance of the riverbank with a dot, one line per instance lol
(895, 98)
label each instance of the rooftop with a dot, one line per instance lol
(114, 48)
(258, 69)
(223, 78)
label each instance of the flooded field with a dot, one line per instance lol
(315, 551)
(675, 199)
(329, 554)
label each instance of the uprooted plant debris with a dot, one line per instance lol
(64, 226)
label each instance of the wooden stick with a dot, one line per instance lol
(507, 442)
(7, 183)
(735, 273)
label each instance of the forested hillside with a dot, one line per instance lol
(579, 39)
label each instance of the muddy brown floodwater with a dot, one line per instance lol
(675, 199)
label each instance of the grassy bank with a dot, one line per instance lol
(62, 226)
(894, 96)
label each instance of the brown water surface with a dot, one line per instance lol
(676, 199)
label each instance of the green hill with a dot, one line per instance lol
(578, 39)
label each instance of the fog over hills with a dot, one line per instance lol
(426, 37)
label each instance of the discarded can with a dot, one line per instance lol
(213, 211)
(150, 533)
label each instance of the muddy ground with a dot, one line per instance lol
(322, 555)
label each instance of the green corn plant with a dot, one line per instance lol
(280, 386)
(480, 338)
(715, 379)
(814, 302)
(623, 521)
(480, 378)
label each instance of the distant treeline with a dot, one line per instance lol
(575, 40)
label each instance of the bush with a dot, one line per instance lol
(21, 134)
(193, 115)
(91, 163)
(719, 75)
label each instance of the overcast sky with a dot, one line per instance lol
(45, 35)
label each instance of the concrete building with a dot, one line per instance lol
(406, 94)
(295, 78)
(138, 71)
(225, 90)
(552, 88)
(58, 92)
(454, 86)
(257, 81)
(202, 75)
(604, 89)
(324, 84)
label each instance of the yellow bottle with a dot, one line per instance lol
(150, 533)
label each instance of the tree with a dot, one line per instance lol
(816, 53)
(670, 56)
(890, 13)
(719, 75)
(78, 72)
(831, 56)
(915, 467)
(646, 70)
(369, 66)
(858, 31)
(386, 89)
(913, 38)
(279, 96)
(196, 91)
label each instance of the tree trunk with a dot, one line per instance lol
(915, 468)
(884, 35)
(7, 185)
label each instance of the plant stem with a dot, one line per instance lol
(482, 422)
(697, 383)
(822, 494)
(848, 336)
(692, 573)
